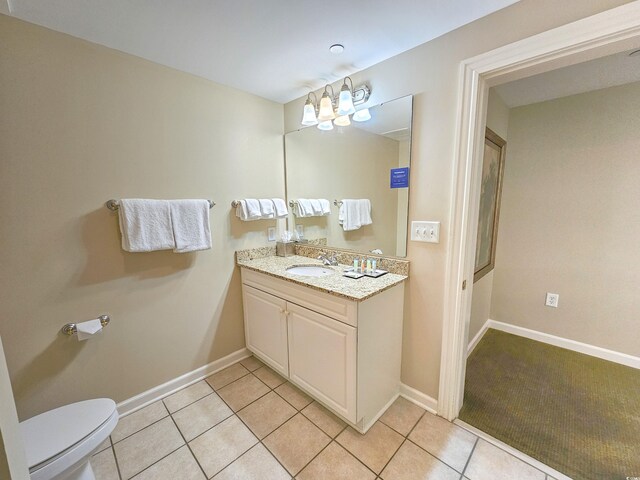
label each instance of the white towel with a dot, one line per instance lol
(145, 225)
(316, 207)
(281, 207)
(325, 206)
(365, 211)
(303, 208)
(267, 209)
(349, 215)
(253, 209)
(190, 221)
(244, 213)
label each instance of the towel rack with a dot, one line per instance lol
(235, 203)
(337, 203)
(293, 203)
(70, 328)
(113, 205)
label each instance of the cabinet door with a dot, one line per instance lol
(322, 359)
(265, 327)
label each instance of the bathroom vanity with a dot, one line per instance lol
(336, 338)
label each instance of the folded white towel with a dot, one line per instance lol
(241, 210)
(349, 215)
(253, 209)
(190, 221)
(267, 209)
(325, 206)
(247, 210)
(365, 211)
(354, 213)
(281, 207)
(303, 208)
(316, 207)
(145, 225)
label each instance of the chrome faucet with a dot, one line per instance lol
(328, 259)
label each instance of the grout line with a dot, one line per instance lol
(247, 426)
(113, 450)
(189, 404)
(143, 428)
(189, 446)
(470, 455)
(157, 461)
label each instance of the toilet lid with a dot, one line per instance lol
(51, 433)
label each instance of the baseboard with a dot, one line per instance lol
(423, 400)
(509, 449)
(475, 340)
(599, 352)
(133, 404)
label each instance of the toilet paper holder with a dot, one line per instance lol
(70, 328)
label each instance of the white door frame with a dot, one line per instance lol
(612, 31)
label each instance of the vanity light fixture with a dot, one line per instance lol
(309, 116)
(326, 106)
(362, 115)
(335, 109)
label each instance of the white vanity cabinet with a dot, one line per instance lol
(344, 353)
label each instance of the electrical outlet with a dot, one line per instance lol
(425, 232)
(300, 230)
(271, 234)
(552, 300)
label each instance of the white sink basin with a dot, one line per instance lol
(310, 270)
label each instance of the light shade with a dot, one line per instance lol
(342, 121)
(326, 108)
(326, 125)
(345, 101)
(309, 115)
(362, 115)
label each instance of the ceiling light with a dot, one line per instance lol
(309, 114)
(326, 125)
(326, 106)
(336, 48)
(345, 99)
(342, 121)
(362, 115)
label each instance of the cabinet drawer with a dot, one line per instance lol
(330, 305)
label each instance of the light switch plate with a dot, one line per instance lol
(552, 299)
(425, 232)
(271, 234)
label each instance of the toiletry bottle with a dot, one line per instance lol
(373, 266)
(368, 265)
(355, 264)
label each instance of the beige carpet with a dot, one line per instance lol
(576, 413)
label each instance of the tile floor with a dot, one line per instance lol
(246, 422)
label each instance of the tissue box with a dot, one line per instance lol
(285, 249)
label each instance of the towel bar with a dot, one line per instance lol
(337, 203)
(70, 328)
(114, 206)
(293, 203)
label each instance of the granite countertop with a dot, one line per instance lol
(335, 284)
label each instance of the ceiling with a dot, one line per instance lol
(603, 72)
(276, 49)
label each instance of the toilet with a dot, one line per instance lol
(59, 443)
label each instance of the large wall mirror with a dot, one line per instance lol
(355, 162)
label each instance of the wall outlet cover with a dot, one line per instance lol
(271, 234)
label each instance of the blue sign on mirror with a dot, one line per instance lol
(400, 177)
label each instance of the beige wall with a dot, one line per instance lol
(81, 124)
(350, 163)
(498, 121)
(430, 72)
(570, 219)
